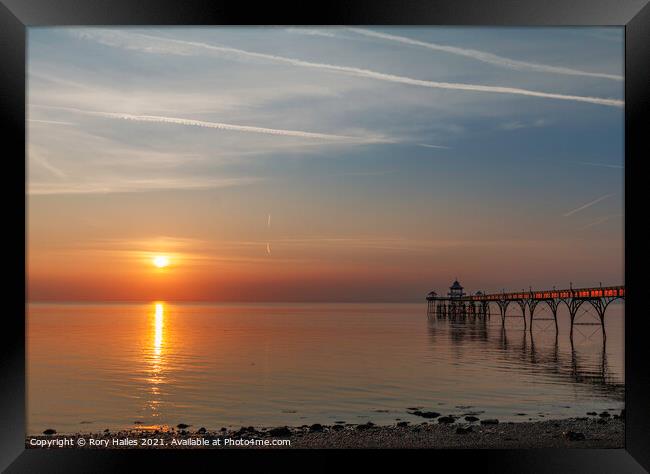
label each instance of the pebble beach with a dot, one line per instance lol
(443, 433)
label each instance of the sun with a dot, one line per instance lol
(161, 261)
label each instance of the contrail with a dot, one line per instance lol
(486, 57)
(585, 206)
(354, 71)
(311, 32)
(226, 126)
(51, 122)
(230, 127)
(598, 221)
(601, 165)
(426, 145)
(48, 166)
(268, 221)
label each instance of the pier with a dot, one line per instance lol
(459, 305)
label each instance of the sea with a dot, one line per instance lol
(97, 366)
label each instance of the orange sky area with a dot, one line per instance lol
(75, 256)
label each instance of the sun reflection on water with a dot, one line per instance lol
(156, 377)
(158, 329)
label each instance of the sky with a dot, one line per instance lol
(322, 164)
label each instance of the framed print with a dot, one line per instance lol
(370, 229)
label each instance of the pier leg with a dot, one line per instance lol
(553, 304)
(531, 307)
(574, 306)
(522, 305)
(603, 360)
(601, 306)
(572, 315)
(523, 314)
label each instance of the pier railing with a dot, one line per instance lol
(595, 292)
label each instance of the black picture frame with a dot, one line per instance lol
(17, 15)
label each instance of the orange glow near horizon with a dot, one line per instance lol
(215, 269)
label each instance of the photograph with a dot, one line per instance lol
(286, 237)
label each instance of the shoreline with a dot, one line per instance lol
(598, 432)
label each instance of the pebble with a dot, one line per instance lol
(490, 421)
(446, 419)
(426, 414)
(282, 431)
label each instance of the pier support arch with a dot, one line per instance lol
(552, 305)
(600, 305)
(574, 305)
(503, 307)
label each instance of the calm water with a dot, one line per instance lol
(92, 367)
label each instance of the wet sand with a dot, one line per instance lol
(593, 432)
